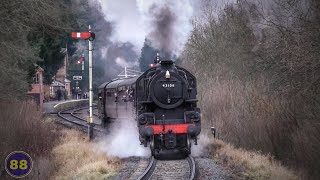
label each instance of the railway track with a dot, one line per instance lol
(81, 111)
(72, 119)
(169, 169)
(94, 114)
(147, 170)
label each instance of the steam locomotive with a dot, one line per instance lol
(163, 102)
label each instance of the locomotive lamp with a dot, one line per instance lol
(167, 74)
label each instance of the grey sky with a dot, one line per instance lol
(132, 21)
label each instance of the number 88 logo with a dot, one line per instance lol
(18, 164)
(14, 164)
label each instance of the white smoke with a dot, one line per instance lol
(127, 21)
(198, 150)
(123, 141)
(132, 20)
(104, 52)
(122, 62)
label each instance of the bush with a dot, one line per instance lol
(23, 128)
(258, 78)
(77, 158)
(249, 164)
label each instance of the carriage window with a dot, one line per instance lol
(109, 94)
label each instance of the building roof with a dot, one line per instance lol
(39, 69)
(66, 80)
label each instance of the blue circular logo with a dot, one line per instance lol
(18, 164)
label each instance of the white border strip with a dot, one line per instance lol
(75, 100)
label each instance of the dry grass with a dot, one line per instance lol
(23, 127)
(247, 115)
(77, 158)
(249, 164)
(243, 114)
(261, 92)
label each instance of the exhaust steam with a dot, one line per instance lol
(123, 141)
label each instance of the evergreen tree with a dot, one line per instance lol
(148, 54)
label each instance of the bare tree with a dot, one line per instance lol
(258, 72)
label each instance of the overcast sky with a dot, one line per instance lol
(132, 18)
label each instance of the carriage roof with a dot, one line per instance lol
(121, 82)
(113, 84)
(102, 86)
(128, 81)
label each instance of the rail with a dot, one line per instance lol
(149, 171)
(69, 116)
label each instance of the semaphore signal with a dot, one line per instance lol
(83, 35)
(90, 37)
(81, 60)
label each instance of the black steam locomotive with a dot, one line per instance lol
(163, 102)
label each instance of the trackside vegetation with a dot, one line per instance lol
(258, 73)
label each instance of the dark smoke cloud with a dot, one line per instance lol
(162, 35)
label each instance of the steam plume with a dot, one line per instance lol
(123, 141)
(163, 33)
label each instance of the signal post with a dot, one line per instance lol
(90, 37)
(90, 127)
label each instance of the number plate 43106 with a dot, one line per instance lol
(168, 85)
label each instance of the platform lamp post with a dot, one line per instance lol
(90, 37)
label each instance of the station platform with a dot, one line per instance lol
(54, 106)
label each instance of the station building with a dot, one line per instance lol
(37, 91)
